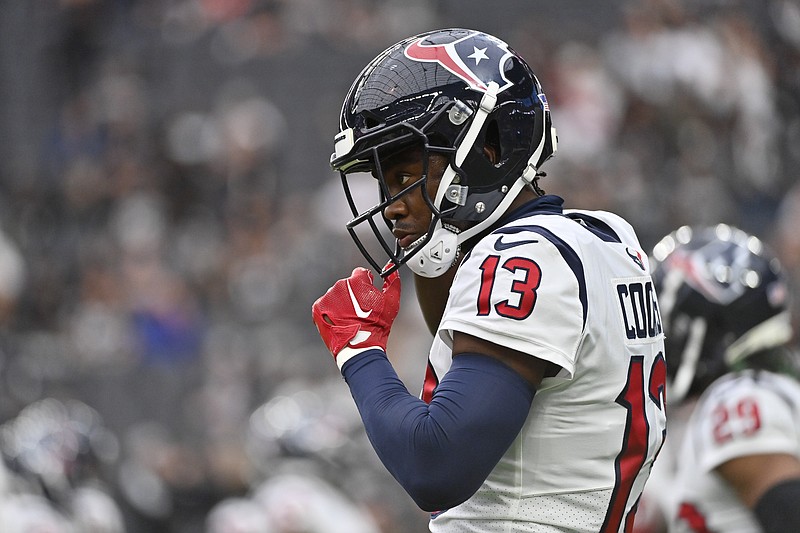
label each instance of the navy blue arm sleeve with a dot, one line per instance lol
(777, 510)
(443, 451)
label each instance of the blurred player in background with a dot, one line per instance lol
(309, 471)
(724, 300)
(542, 407)
(55, 458)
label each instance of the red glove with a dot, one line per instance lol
(354, 316)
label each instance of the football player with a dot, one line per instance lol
(724, 301)
(542, 407)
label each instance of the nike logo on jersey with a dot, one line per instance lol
(501, 245)
(360, 313)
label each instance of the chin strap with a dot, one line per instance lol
(442, 250)
(488, 101)
(687, 370)
(502, 207)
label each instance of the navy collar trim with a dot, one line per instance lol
(549, 204)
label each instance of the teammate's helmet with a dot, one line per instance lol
(724, 303)
(451, 92)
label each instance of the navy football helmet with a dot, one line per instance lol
(725, 304)
(451, 92)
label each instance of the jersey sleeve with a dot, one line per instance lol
(521, 291)
(741, 418)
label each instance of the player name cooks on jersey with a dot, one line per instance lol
(640, 313)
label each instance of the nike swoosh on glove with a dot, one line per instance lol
(355, 316)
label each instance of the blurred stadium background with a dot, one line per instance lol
(167, 216)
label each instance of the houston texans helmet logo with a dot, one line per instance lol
(473, 58)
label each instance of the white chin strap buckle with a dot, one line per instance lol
(437, 255)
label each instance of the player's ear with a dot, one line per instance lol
(491, 146)
(491, 153)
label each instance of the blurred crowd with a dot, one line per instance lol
(167, 217)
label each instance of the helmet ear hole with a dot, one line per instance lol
(491, 144)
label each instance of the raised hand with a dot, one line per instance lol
(355, 316)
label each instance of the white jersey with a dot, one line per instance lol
(747, 413)
(572, 289)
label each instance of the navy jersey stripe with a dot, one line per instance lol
(567, 253)
(599, 228)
